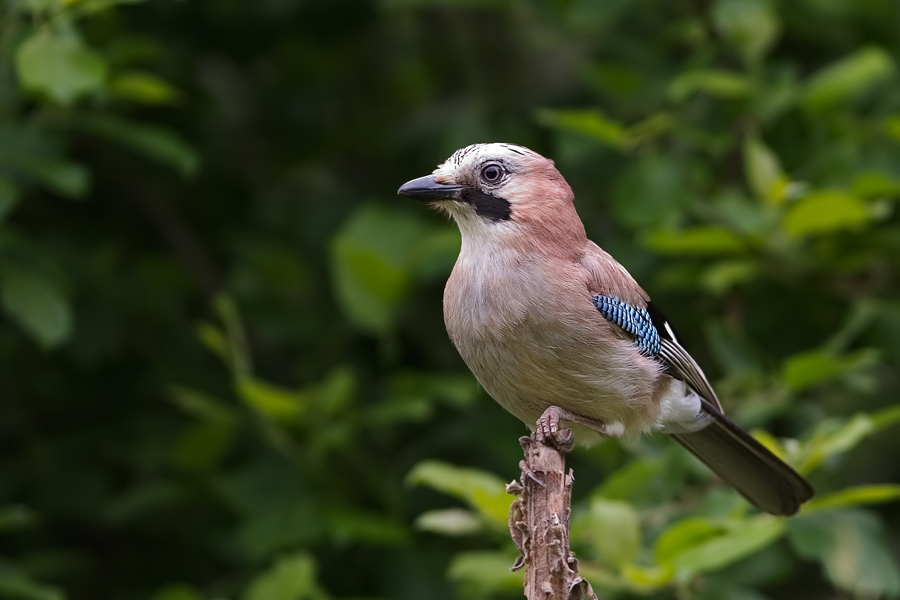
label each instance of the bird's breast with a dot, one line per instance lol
(493, 300)
(530, 335)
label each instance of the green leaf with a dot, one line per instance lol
(892, 128)
(684, 535)
(611, 529)
(271, 401)
(875, 184)
(433, 257)
(201, 405)
(854, 496)
(14, 517)
(740, 540)
(804, 370)
(749, 26)
(142, 500)
(9, 197)
(652, 127)
(450, 521)
(86, 7)
(178, 591)
(717, 83)
(36, 6)
(372, 258)
(412, 396)
(349, 525)
(726, 275)
(856, 321)
(645, 579)
(483, 573)
(646, 481)
(335, 393)
(18, 586)
(156, 143)
(58, 66)
(847, 78)
(886, 417)
(591, 123)
(630, 481)
(214, 339)
(419, 4)
(832, 437)
(204, 445)
(232, 345)
(36, 304)
(292, 577)
(651, 192)
(482, 490)
(705, 240)
(851, 549)
(145, 88)
(825, 212)
(728, 589)
(283, 525)
(68, 179)
(763, 171)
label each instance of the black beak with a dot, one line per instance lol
(426, 188)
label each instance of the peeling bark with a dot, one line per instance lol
(539, 521)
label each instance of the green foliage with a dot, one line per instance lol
(290, 578)
(225, 373)
(58, 66)
(850, 547)
(847, 78)
(36, 305)
(483, 491)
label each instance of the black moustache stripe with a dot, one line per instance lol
(487, 205)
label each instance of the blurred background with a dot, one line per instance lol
(223, 367)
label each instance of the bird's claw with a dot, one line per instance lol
(527, 472)
(549, 432)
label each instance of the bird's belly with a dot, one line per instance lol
(527, 369)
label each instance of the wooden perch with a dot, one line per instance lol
(539, 518)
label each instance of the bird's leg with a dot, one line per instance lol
(548, 428)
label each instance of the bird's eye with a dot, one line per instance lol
(492, 173)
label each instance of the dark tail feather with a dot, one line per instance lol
(748, 466)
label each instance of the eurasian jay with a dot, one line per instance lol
(545, 318)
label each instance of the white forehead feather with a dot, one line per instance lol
(477, 153)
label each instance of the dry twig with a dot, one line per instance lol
(539, 519)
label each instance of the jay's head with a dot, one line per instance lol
(500, 190)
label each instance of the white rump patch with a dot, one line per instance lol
(680, 410)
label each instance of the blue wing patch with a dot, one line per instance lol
(635, 321)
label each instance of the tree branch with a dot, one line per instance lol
(539, 520)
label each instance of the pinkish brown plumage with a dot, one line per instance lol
(521, 306)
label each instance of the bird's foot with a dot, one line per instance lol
(548, 430)
(526, 441)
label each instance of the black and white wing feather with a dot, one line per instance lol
(732, 453)
(655, 338)
(678, 362)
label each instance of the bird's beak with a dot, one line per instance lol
(426, 188)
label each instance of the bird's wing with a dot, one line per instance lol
(621, 301)
(678, 362)
(732, 453)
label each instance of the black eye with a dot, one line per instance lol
(492, 173)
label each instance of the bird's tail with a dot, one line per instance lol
(748, 466)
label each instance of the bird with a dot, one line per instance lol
(551, 324)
